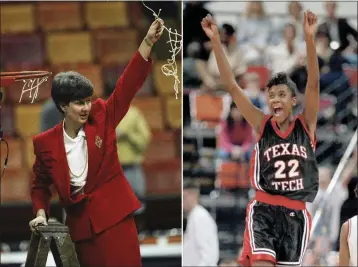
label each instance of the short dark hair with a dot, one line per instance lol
(70, 86)
(191, 184)
(229, 29)
(282, 78)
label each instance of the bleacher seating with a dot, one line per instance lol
(161, 147)
(22, 51)
(15, 186)
(163, 177)
(7, 119)
(58, 16)
(152, 109)
(232, 175)
(104, 15)
(16, 156)
(199, 111)
(263, 72)
(115, 45)
(18, 18)
(69, 47)
(27, 119)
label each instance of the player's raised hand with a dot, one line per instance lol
(155, 31)
(210, 28)
(309, 23)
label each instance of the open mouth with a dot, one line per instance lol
(278, 111)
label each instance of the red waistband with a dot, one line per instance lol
(280, 201)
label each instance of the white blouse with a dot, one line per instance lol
(77, 158)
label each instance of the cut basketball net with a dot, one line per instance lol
(170, 69)
(31, 81)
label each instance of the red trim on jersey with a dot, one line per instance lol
(252, 169)
(263, 123)
(314, 140)
(247, 257)
(287, 132)
(277, 200)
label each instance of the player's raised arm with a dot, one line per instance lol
(252, 114)
(312, 87)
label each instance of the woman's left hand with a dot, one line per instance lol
(155, 31)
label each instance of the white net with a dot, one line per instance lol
(175, 41)
(31, 86)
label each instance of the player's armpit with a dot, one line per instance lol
(343, 248)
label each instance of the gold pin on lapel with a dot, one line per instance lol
(98, 141)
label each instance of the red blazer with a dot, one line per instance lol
(107, 197)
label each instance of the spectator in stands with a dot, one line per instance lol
(253, 91)
(236, 137)
(208, 70)
(295, 18)
(133, 136)
(50, 116)
(335, 82)
(254, 33)
(201, 242)
(324, 50)
(196, 44)
(289, 54)
(338, 28)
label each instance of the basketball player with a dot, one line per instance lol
(348, 255)
(284, 169)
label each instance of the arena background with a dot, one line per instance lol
(96, 39)
(225, 189)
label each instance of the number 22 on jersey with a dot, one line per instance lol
(287, 170)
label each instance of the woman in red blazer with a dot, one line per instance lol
(79, 157)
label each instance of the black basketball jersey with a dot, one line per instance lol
(285, 163)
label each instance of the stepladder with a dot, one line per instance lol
(53, 237)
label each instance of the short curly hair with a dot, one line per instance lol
(282, 78)
(70, 86)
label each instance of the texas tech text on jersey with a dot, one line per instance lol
(285, 163)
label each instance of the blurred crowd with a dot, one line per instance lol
(257, 47)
